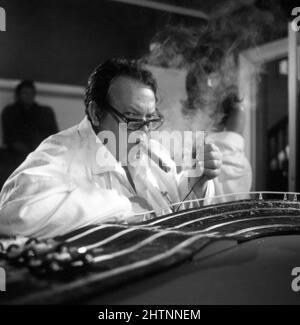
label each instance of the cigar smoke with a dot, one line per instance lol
(209, 53)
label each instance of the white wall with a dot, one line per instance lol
(172, 92)
(66, 101)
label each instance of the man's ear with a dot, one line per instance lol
(94, 113)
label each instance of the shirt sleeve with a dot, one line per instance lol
(41, 199)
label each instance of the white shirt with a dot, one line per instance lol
(63, 185)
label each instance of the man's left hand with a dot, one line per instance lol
(212, 161)
(212, 166)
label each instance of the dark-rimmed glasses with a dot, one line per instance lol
(134, 124)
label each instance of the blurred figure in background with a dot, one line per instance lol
(236, 173)
(25, 123)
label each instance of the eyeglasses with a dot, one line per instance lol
(134, 124)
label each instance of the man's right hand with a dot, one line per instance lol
(139, 204)
(140, 209)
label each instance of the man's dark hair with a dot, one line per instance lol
(24, 84)
(101, 78)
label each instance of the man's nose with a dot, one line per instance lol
(145, 128)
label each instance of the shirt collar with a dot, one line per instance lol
(101, 158)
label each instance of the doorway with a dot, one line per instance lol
(264, 78)
(272, 127)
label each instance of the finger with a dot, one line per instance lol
(211, 173)
(211, 155)
(213, 164)
(211, 147)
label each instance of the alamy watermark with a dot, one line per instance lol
(296, 21)
(296, 281)
(2, 279)
(2, 20)
(186, 149)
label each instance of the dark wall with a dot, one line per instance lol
(276, 93)
(62, 41)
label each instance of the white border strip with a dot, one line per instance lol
(237, 221)
(172, 230)
(166, 7)
(217, 205)
(259, 227)
(46, 88)
(231, 212)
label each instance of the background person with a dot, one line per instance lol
(25, 123)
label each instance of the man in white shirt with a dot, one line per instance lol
(74, 178)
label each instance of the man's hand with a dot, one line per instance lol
(212, 166)
(139, 204)
(212, 161)
(140, 209)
